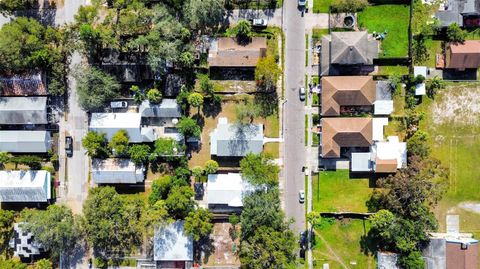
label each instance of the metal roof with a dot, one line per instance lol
(115, 170)
(170, 243)
(23, 110)
(226, 189)
(168, 108)
(111, 123)
(25, 186)
(25, 141)
(236, 139)
(361, 162)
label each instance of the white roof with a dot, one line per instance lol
(170, 243)
(23, 110)
(390, 150)
(23, 243)
(377, 128)
(226, 189)
(111, 123)
(25, 141)
(114, 170)
(25, 186)
(383, 107)
(361, 162)
(420, 88)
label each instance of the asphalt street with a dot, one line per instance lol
(294, 111)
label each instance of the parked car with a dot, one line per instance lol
(69, 146)
(302, 3)
(301, 93)
(119, 104)
(259, 23)
(301, 196)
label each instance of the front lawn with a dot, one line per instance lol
(335, 191)
(321, 6)
(390, 18)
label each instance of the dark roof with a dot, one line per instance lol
(23, 85)
(345, 132)
(463, 56)
(126, 67)
(454, 9)
(226, 52)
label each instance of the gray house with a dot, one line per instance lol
(348, 53)
(236, 140)
(25, 186)
(172, 248)
(25, 141)
(23, 110)
(167, 109)
(465, 13)
(116, 171)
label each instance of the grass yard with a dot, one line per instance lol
(473, 34)
(321, 6)
(390, 18)
(434, 47)
(335, 191)
(272, 149)
(452, 121)
(340, 243)
(393, 70)
(315, 139)
(306, 130)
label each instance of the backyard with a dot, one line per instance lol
(392, 19)
(452, 121)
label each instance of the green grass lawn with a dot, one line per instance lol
(272, 149)
(434, 47)
(393, 70)
(390, 18)
(315, 101)
(344, 238)
(335, 191)
(315, 139)
(306, 130)
(473, 34)
(321, 6)
(456, 143)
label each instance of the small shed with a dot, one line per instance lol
(420, 88)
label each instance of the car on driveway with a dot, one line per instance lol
(301, 93)
(301, 196)
(259, 23)
(69, 146)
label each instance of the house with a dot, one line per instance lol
(420, 88)
(23, 110)
(463, 56)
(465, 13)
(111, 123)
(117, 171)
(23, 243)
(226, 52)
(25, 186)
(23, 85)
(451, 251)
(387, 260)
(236, 140)
(384, 157)
(347, 53)
(127, 67)
(349, 94)
(225, 192)
(168, 109)
(25, 141)
(172, 248)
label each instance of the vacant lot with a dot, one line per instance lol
(223, 250)
(453, 122)
(392, 19)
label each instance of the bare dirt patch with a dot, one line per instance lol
(224, 247)
(458, 105)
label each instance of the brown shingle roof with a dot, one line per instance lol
(231, 54)
(346, 91)
(385, 166)
(23, 85)
(345, 132)
(462, 56)
(456, 257)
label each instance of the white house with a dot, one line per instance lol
(116, 171)
(111, 123)
(25, 141)
(172, 248)
(225, 192)
(384, 157)
(25, 186)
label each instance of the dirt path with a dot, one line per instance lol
(330, 249)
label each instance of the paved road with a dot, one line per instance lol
(294, 153)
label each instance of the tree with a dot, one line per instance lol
(246, 112)
(154, 96)
(211, 167)
(95, 87)
(433, 85)
(14, 263)
(418, 144)
(314, 218)
(204, 14)
(119, 143)
(33, 161)
(56, 228)
(139, 153)
(259, 169)
(111, 223)
(455, 34)
(197, 172)
(267, 73)
(4, 158)
(95, 144)
(187, 59)
(138, 95)
(154, 216)
(420, 50)
(160, 189)
(188, 127)
(166, 147)
(179, 201)
(43, 264)
(413, 260)
(7, 7)
(196, 100)
(243, 31)
(6, 229)
(198, 224)
(350, 6)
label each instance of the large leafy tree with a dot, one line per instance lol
(7, 7)
(211, 167)
(6, 228)
(204, 14)
(455, 33)
(417, 144)
(139, 153)
(195, 99)
(56, 228)
(259, 169)
(119, 143)
(160, 189)
(188, 127)
(267, 74)
(180, 201)
(95, 144)
(166, 147)
(95, 87)
(198, 223)
(243, 31)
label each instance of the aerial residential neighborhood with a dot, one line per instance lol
(240, 134)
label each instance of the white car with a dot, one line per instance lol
(259, 23)
(119, 104)
(301, 196)
(301, 93)
(302, 3)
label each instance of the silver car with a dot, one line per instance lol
(301, 196)
(301, 93)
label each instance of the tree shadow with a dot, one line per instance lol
(212, 108)
(267, 102)
(44, 14)
(204, 247)
(199, 119)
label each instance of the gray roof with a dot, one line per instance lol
(168, 108)
(227, 189)
(115, 170)
(235, 140)
(25, 186)
(383, 90)
(25, 141)
(454, 9)
(361, 162)
(170, 243)
(23, 110)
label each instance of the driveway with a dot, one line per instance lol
(294, 111)
(274, 16)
